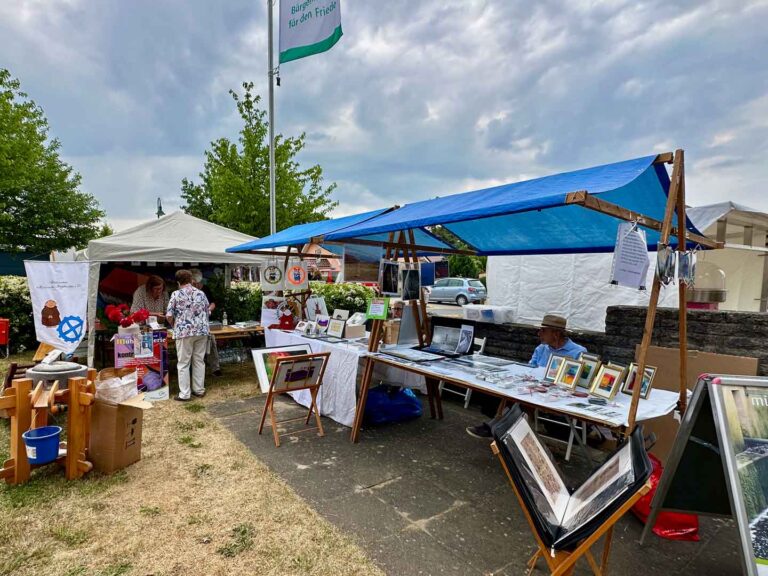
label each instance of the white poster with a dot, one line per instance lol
(272, 276)
(630, 257)
(296, 277)
(59, 294)
(308, 27)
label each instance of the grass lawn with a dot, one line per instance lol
(197, 503)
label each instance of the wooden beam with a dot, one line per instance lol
(682, 296)
(301, 254)
(665, 158)
(587, 200)
(397, 245)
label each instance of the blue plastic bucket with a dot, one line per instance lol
(42, 444)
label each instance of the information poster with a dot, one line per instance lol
(630, 257)
(131, 352)
(746, 414)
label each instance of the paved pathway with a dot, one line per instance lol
(424, 498)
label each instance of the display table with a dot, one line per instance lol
(614, 415)
(338, 394)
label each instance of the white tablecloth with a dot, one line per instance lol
(337, 397)
(615, 413)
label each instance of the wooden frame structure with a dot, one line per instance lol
(560, 562)
(313, 386)
(28, 409)
(405, 244)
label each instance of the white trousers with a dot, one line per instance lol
(190, 353)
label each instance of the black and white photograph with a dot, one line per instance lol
(411, 281)
(388, 278)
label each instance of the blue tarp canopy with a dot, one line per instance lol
(529, 217)
(304, 233)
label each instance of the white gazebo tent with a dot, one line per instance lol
(177, 237)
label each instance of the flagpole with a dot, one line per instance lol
(270, 79)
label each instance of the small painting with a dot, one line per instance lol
(645, 388)
(265, 359)
(607, 381)
(569, 373)
(553, 367)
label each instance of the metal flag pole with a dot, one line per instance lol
(270, 79)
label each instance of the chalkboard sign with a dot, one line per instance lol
(719, 463)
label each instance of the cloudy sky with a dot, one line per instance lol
(419, 98)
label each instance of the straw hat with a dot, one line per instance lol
(553, 321)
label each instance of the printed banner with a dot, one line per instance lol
(308, 27)
(59, 294)
(148, 353)
(296, 276)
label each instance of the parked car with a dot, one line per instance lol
(459, 290)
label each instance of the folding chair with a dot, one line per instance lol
(292, 373)
(479, 344)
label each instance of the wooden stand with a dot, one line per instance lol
(310, 382)
(28, 409)
(561, 562)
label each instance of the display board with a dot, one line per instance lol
(719, 463)
(150, 358)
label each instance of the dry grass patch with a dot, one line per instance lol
(198, 503)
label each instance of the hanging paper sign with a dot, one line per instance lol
(59, 294)
(377, 309)
(630, 257)
(272, 277)
(296, 276)
(686, 267)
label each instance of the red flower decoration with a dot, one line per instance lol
(120, 314)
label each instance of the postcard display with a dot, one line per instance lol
(719, 462)
(148, 353)
(565, 521)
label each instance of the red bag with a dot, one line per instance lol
(669, 525)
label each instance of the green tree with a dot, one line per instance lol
(234, 185)
(461, 265)
(41, 208)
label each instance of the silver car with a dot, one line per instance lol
(459, 290)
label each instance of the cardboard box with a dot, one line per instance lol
(116, 434)
(391, 331)
(667, 362)
(354, 331)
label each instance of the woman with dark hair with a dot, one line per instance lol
(151, 296)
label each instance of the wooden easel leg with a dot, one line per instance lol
(264, 412)
(435, 403)
(364, 385)
(20, 423)
(320, 432)
(532, 563)
(606, 552)
(272, 418)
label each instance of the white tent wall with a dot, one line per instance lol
(573, 285)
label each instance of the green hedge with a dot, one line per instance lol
(16, 305)
(352, 297)
(242, 301)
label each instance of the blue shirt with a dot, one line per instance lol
(542, 353)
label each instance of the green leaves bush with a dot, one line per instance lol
(241, 302)
(16, 305)
(352, 297)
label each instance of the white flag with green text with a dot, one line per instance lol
(308, 27)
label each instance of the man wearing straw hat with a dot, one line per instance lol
(554, 340)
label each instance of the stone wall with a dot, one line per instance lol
(737, 333)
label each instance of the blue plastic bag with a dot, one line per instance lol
(388, 404)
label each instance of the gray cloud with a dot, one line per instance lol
(418, 98)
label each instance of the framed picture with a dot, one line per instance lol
(607, 380)
(553, 367)
(388, 278)
(301, 327)
(316, 307)
(265, 359)
(569, 373)
(298, 375)
(339, 314)
(336, 328)
(645, 388)
(411, 282)
(270, 310)
(589, 366)
(322, 321)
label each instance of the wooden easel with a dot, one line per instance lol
(28, 409)
(310, 382)
(393, 248)
(561, 562)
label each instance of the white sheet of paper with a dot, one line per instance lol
(630, 257)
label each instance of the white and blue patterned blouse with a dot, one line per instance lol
(189, 309)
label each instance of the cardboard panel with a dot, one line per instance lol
(667, 360)
(115, 436)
